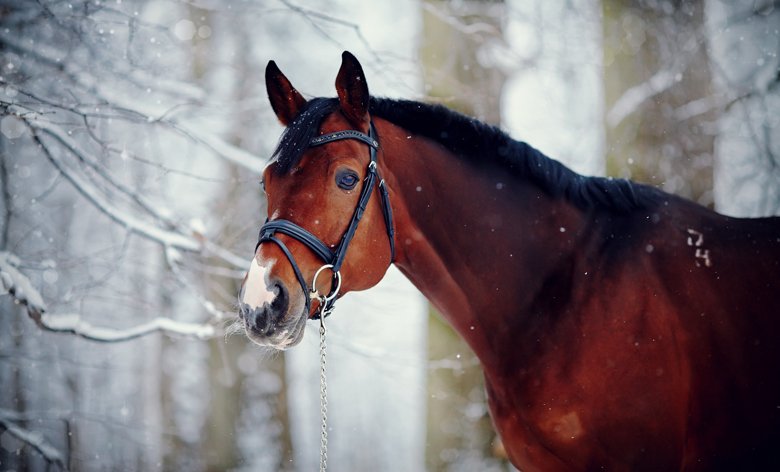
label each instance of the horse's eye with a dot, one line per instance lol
(347, 180)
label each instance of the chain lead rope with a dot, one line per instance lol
(323, 400)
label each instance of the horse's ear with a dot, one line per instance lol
(352, 89)
(285, 100)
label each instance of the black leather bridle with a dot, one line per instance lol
(333, 259)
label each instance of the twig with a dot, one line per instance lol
(69, 144)
(53, 58)
(73, 324)
(146, 112)
(470, 29)
(16, 284)
(166, 238)
(35, 440)
(632, 98)
(171, 257)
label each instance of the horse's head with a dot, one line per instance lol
(315, 187)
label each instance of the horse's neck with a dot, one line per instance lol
(478, 242)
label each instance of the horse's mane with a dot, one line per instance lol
(476, 141)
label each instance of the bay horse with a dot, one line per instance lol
(618, 327)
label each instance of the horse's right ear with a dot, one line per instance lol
(285, 100)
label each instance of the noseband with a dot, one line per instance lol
(333, 259)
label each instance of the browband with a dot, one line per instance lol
(345, 134)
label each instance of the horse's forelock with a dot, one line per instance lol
(295, 139)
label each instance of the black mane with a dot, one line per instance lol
(473, 140)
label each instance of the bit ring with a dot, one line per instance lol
(316, 294)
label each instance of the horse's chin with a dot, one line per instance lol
(284, 336)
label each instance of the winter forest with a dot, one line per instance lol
(133, 134)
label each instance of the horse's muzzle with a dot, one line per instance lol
(269, 323)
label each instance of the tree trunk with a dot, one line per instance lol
(743, 36)
(657, 74)
(456, 38)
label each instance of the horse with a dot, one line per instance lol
(618, 327)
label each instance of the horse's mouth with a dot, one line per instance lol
(280, 337)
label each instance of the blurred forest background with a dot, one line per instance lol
(132, 137)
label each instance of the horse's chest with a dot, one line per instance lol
(538, 432)
(554, 422)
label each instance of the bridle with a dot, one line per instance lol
(333, 259)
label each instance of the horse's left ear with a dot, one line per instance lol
(285, 100)
(352, 89)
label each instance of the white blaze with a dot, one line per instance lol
(256, 290)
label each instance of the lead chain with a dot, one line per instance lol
(323, 399)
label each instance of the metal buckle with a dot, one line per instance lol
(316, 294)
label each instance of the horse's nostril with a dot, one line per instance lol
(259, 319)
(279, 304)
(263, 319)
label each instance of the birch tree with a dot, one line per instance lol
(100, 134)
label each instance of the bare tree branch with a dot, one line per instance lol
(33, 439)
(13, 282)
(635, 96)
(166, 238)
(54, 58)
(74, 324)
(172, 257)
(62, 137)
(6, 196)
(156, 114)
(197, 242)
(477, 29)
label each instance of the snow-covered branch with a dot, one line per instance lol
(158, 115)
(668, 74)
(312, 15)
(21, 289)
(18, 285)
(219, 146)
(172, 258)
(34, 439)
(74, 324)
(476, 29)
(133, 224)
(120, 70)
(62, 137)
(168, 237)
(635, 96)
(107, 93)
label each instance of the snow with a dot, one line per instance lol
(12, 127)
(18, 285)
(75, 324)
(632, 98)
(184, 30)
(743, 54)
(115, 240)
(21, 289)
(33, 438)
(132, 223)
